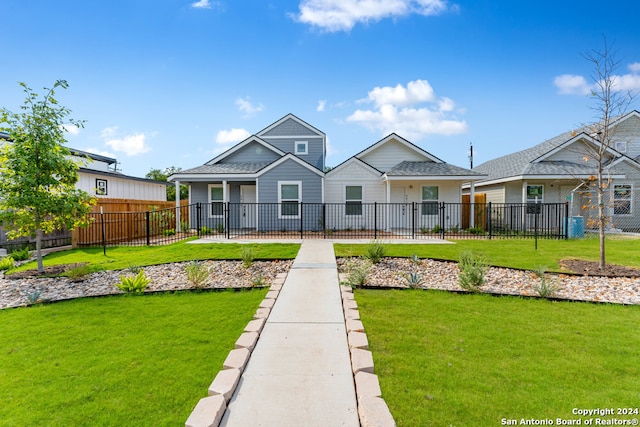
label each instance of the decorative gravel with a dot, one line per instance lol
(389, 273)
(166, 277)
(393, 272)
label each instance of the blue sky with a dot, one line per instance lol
(175, 82)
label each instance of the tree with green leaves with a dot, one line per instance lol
(162, 175)
(37, 173)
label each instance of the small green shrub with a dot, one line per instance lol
(375, 251)
(34, 297)
(79, 273)
(436, 229)
(475, 230)
(134, 284)
(259, 282)
(472, 270)
(247, 256)
(7, 263)
(185, 227)
(414, 280)
(169, 232)
(220, 228)
(205, 230)
(424, 230)
(415, 259)
(134, 268)
(357, 272)
(197, 274)
(454, 229)
(21, 254)
(545, 286)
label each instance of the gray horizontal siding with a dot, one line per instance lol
(290, 171)
(315, 148)
(253, 152)
(289, 127)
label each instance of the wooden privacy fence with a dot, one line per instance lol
(132, 221)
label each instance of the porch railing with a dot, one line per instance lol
(328, 220)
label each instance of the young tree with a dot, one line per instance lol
(159, 175)
(609, 103)
(37, 173)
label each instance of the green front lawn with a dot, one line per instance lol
(116, 361)
(474, 359)
(121, 257)
(516, 253)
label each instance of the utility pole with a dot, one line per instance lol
(470, 155)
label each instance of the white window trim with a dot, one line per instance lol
(300, 152)
(361, 200)
(540, 200)
(613, 198)
(280, 184)
(423, 200)
(211, 201)
(102, 190)
(622, 145)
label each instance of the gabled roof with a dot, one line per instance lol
(352, 160)
(431, 170)
(240, 145)
(406, 143)
(294, 118)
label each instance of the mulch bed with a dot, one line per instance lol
(592, 268)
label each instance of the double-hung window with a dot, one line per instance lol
(353, 200)
(216, 199)
(289, 198)
(622, 199)
(429, 200)
(535, 194)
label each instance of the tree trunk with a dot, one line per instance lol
(39, 250)
(601, 226)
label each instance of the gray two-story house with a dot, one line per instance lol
(266, 178)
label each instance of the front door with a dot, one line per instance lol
(248, 206)
(400, 214)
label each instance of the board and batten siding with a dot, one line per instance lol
(122, 188)
(374, 189)
(390, 154)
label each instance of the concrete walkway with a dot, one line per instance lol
(299, 373)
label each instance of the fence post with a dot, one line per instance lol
(324, 220)
(442, 213)
(198, 213)
(301, 220)
(488, 219)
(413, 220)
(566, 220)
(227, 220)
(148, 221)
(375, 220)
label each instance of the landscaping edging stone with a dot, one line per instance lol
(209, 410)
(372, 409)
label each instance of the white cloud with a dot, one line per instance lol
(131, 145)
(343, 15)
(571, 84)
(247, 107)
(71, 129)
(402, 110)
(100, 152)
(233, 135)
(201, 4)
(321, 105)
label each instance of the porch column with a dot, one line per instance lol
(178, 206)
(388, 219)
(472, 200)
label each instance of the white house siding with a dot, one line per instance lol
(629, 131)
(373, 190)
(122, 188)
(411, 192)
(493, 194)
(390, 154)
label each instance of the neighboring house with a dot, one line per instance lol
(282, 164)
(98, 176)
(402, 175)
(562, 169)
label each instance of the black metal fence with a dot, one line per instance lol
(329, 220)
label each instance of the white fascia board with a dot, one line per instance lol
(297, 120)
(238, 146)
(433, 178)
(209, 177)
(283, 159)
(351, 160)
(405, 142)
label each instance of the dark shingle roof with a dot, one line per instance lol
(227, 168)
(408, 168)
